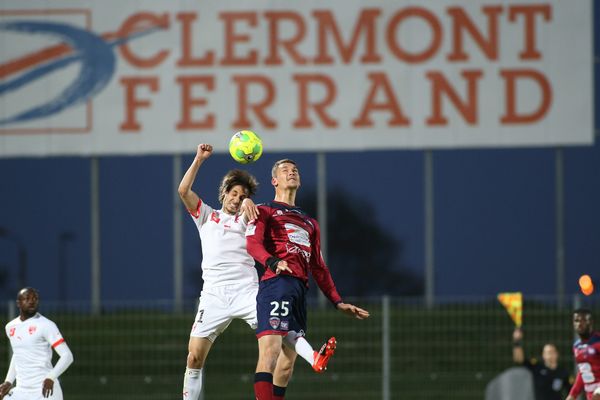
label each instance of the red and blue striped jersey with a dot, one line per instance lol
(288, 233)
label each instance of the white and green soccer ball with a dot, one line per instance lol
(245, 147)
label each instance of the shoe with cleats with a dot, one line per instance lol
(322, 356)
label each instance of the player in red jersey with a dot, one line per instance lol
(287, 242)
(587, 356)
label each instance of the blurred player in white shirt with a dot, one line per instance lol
(230, 279)
(32, 338)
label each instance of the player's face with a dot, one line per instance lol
(550, 355)
(287, 176)
(233, 199)
(27, 302)
(582, 323)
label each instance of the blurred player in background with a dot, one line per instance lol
(32, 338)
(550, 380)
(230, 279)
(587, 356)
(287, 242)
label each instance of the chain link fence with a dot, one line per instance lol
(406, 350)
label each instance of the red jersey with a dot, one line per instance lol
(288, 233)
(587, 357)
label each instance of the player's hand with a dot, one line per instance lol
(570, 398)
(48, 387)
(517, 335)
(4, 389)
(249, 209)
(282, 266)
(203, 151)
(353, 311)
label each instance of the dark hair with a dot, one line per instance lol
(237, 177)
(583, 311)
(278, 163)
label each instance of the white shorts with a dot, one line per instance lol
(19, 394)
(222, 304)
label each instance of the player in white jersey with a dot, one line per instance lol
(32, 338)
(230, 279)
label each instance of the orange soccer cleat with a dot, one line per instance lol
(322, 356)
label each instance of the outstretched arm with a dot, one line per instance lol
(323, 278)
(352, 310)
(188, 197)
(65, 359)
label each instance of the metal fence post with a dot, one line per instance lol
(385, 346)
(177, 238)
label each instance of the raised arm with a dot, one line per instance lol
(518, 353)
(187, 195)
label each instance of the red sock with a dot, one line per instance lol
(278, 392)
(263, 386)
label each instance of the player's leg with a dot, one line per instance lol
(283, 372)
(300, 345)
(269, 347)
(596, 395)
(198, 348)
(212, 318)
(276, 304)
(317, 359)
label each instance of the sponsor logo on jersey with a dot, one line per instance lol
(274, 322)
(32, 329)
(11, 332)
(293, 249)
(285, 325)
(215, 217)
(297, 235)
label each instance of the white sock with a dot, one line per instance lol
(192, 384)
(300, 346)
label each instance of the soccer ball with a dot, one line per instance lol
(245, 147)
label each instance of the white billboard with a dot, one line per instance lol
(160, 76)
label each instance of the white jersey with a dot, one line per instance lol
(32, 342)
(225, 260)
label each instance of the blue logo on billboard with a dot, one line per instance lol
(91, 51)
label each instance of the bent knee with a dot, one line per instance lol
(285, 370)
(195, 360)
